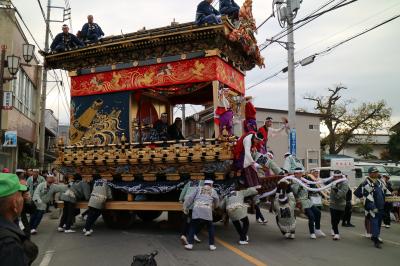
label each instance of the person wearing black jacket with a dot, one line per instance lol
(65, 41)
(388, 205)
(175, 130)
(229, 8)
(348, 210)
(29, 206)
(91, 32)
(207, 14)
(15, 247)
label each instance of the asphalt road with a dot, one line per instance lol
(267, 247)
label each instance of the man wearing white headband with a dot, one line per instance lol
(337, 203)
(312, 212)
(291, 163)
(315, 197)
(250, 166)
(204, 200)
(269, 132)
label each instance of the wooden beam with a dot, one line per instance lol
(133, 206)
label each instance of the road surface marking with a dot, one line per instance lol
(240, 253)
(47, 258)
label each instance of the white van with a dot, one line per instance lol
(365, 166)
(355, 175)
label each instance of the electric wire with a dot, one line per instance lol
(330, 48)
(305, 22)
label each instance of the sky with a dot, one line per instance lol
(368, 65)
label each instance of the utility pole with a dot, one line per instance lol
(286, 11)
(291, 80)
(42, 128)
(2, 60)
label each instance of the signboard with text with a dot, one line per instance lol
(7, 100)
(292, 141)
(10, 139)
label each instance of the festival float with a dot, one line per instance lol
(119, 88)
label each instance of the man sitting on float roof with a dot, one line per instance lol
(229, 8)
(207, 14)
(91, 32)
(65, 41)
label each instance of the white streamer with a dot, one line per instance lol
(267, 194)
(321, 181)
(312, 189)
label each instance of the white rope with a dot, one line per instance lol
(321, 181)
(292, 178)
(267, 194)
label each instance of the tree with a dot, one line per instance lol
(394, 145)
(365, 151)
(343, 123)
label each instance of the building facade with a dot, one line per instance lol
(23, 117)
(377, 142)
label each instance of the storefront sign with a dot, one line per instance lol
(10, 139)
(7, 100)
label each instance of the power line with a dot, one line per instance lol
(312, 13)
(262, 81)
(329, 49)
(23, 22)
(315, 16)
(349, 27)
(262, 23)
(311, 18)
(357, 35)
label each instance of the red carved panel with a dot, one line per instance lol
(159, 75)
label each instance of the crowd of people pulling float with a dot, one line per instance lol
(257, 177)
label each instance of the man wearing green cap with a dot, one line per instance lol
(373, 191)
(15, 248)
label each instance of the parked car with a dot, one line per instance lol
(392, 170)
(365, 166)
(355, 175)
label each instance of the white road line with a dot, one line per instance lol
(47, 258)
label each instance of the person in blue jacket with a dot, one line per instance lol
(65, 41)
(91, 32)
(207, 14)
(373, 191)
(229, 8)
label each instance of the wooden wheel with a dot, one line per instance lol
(148, 216)
(118, 219)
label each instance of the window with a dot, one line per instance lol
(24, 94)
(313, 127)
(313, 161)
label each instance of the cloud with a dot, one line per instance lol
(368, 65)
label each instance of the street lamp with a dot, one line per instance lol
(13, 64)
(28, 50)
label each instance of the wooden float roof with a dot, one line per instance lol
(177, 39)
